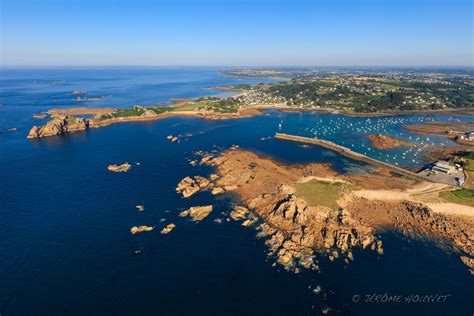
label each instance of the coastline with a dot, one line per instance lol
(297, 201)
(60, 122)
(244, 112)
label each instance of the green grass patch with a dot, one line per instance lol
(322, 193)
(136, 111)
(188, 106)
(160, 109)
(469, 165)
(462, 196)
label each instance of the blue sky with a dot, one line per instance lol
(236, 33)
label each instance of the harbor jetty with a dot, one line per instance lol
(351, 154)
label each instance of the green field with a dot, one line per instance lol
(462, 196)
(321, 193)
(470, 162)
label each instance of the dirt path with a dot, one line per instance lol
(426, 195)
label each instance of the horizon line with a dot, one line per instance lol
(234, 66)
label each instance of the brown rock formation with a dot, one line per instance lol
(120, 168)
(198, 213)
(295, 231)
(168, 229)
(239, 212)
(138, 229)
(385, 142)
(187, 187)
(59, 126)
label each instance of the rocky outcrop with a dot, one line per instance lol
(120, 168)
(168, 229)
(217, 190)
(239, 212)
(187, 187)
(139, 229)
(59, 126)
(202, 182)
(385, 142)
(171, 138)
(294, 231)
(300, 229)
(198, 213)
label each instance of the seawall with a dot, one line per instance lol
(350, 154)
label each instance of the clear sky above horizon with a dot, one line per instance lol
(236, 32)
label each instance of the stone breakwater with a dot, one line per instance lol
(351, 154)
(297, 232)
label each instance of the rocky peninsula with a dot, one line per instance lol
(309, 210)
(65, 121)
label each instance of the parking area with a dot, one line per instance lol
(440, 177)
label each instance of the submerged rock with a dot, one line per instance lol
(39, 116)
(119, 168)
(138, 229)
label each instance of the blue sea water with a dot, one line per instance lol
(65, 245)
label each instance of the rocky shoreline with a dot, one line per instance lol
(63, 123)
(298, 233)
(452, 130)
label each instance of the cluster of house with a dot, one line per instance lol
(467, 136)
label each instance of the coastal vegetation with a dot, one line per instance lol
(363, 92)
(467, 162)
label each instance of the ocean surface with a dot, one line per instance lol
(65, 245)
